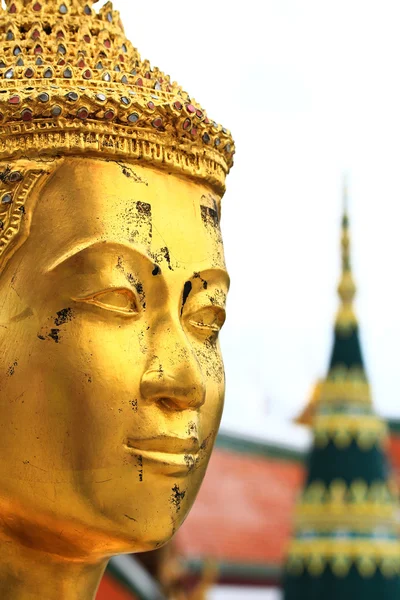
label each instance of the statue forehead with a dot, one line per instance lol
(90, 200)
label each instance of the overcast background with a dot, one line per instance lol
(310, 90)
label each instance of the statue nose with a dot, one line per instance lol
(173, 376)
(179, 391)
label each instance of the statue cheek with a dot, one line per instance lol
(100, 361)
(210, 358)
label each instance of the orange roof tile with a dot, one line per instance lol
(394, 455)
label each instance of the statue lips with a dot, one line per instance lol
(175, 455)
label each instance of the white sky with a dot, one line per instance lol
(310, 89)
(232, 593)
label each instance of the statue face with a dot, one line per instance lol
(112, 382)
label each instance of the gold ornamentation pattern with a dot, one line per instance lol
(341, 526)
(367, 556)
(17, 180)
(353, 391)
(339, 506)
(342, 430)
(73, 83)
(343, 386)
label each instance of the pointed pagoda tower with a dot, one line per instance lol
(345, 544)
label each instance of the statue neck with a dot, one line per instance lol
(27, 574)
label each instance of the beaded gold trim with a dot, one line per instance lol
(343, 429)
(17, 181)
(356, 392)
(313, 556)
(342, 525)
(342, 386)
(338, 493)
(340, 506)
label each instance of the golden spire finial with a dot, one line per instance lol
(347, 289)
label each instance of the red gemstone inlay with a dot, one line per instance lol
(194, 131)
(29, 73)
(109, 115)
(83, 113)
(35, 34)
(187, 124)
(139, 82)
(121, 58)
(38, 50)
(61, 62)
(157, 123)
(148, 76)
(87, 38)
(199, 113)
(81, 63)
(37, 6)
(14, 100)
(191, 108)
(87, 74)
(107, 43)
(207, 121)
(151, 105)
(13, 9)
(60, 34)
(27, 115)
(178, 105)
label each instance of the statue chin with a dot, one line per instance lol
(113, 384)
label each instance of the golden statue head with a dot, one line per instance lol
(112, 287)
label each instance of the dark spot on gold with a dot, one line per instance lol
(140, 467)
(63, 316)
(11, 369)
(177, 497)
(209, 216)
(203, 281)
(186, 292)
(55, 335)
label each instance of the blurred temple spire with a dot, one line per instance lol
(346, 347)
(345, 543)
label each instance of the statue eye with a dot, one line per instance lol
(209, 318)
(120, 300)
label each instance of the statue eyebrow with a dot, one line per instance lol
(213, 273)
(135, 252)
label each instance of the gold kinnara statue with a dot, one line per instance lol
(112, 294)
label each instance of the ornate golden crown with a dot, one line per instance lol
(72, 83)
